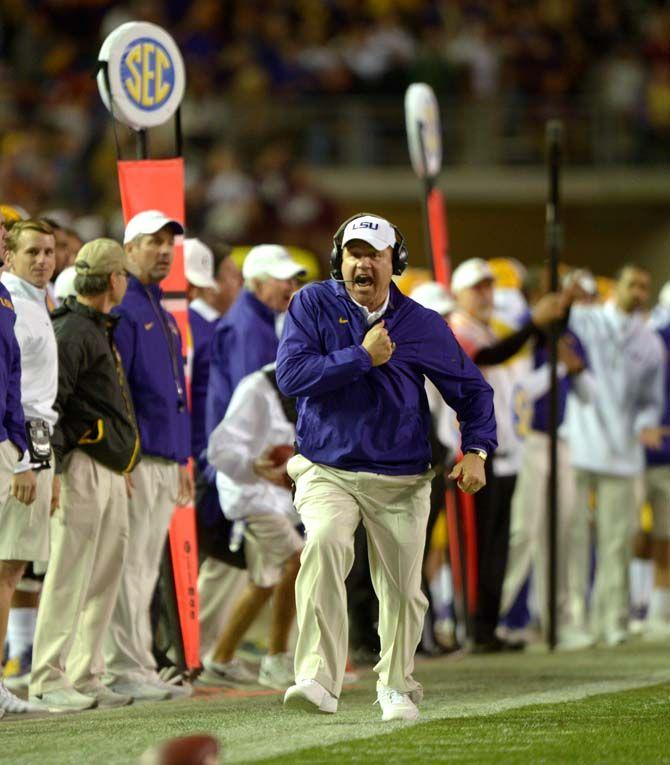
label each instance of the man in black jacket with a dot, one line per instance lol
(96, 442)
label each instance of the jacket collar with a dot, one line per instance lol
(136, 286)
(250, 301)
(19, 287)
(395, 297)
(72, 305)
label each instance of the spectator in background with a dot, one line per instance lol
(96, 442)
(150, 346)
(606, 438)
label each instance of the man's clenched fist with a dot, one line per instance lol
(378, 344)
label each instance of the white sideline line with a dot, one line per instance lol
(353, 728)
(556, 696)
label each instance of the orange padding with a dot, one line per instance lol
(184, 554)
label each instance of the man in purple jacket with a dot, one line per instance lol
(149, 343)
(356, 352)
(246, 338)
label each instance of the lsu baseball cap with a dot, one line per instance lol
(469, 273)
(101, 257)
(377, 232)
(435, 296)
(199, 264)
(271, 260)
(148, 222)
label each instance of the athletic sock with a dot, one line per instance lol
(20, 630)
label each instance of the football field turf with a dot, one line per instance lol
(597, 706)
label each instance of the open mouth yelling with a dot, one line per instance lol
(363, 280)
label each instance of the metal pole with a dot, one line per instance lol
(179, 136)
(142, 144)
(554, 140)
(428, 184)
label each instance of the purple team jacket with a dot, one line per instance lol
(358, 417)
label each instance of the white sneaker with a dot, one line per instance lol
(277, 671)
(176, 687)
(396, 705)
(574, 640)
(230, 673)
(11, 703)
(63, 700)
(136, 686)
(105, 696)
(310, 696)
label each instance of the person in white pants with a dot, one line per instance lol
(356, 353)
(150, 347)
(96, 442)
(606, 438)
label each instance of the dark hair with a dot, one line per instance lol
(90, 285)
(30, 224)
(221, 251)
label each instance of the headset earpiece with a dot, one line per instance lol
(400, 256)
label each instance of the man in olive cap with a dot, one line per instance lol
(96, 443)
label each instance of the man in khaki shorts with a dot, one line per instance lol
(250, 448)
(30, 255)
(356, 352)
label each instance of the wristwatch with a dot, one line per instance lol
(479, 452)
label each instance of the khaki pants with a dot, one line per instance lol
(394, 511)
(528, 543)
(657, 485)
(129, 642)
(615, 518)
(89, 537)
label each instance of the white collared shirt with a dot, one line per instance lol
(39, 352)
(372, 316)
(203, 309)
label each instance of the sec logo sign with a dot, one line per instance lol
(145, 79)
(147, 73)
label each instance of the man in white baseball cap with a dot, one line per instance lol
(150, 222)
(377, 232)
(270, 260)
(470, 273)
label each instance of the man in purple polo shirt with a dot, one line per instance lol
(150, 346)
(356, 352)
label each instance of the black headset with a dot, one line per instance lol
(400, 256)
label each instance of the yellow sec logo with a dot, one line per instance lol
(147, 73)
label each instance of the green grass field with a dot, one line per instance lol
(599, 706)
